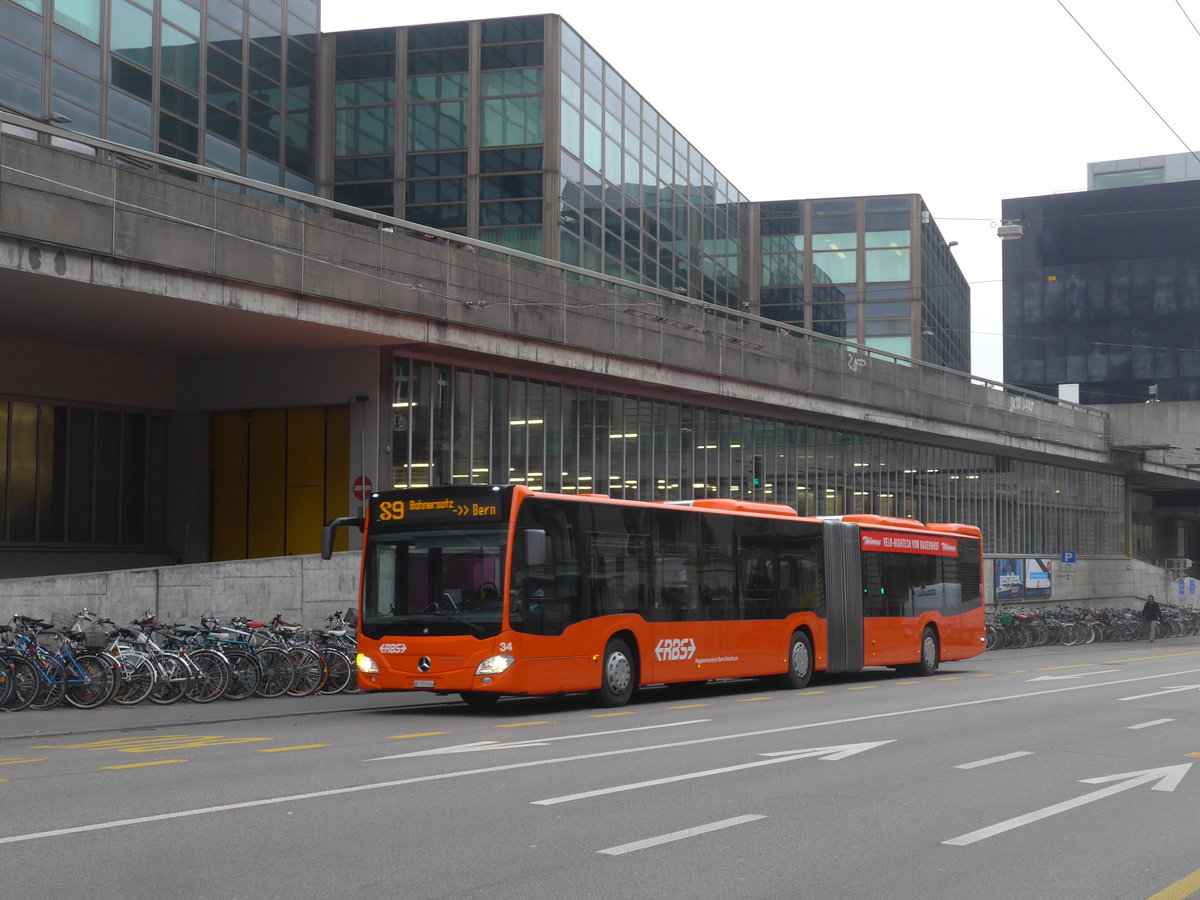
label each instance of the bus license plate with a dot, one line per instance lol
(420, 684)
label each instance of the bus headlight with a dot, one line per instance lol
(366, 665)
(494, 665)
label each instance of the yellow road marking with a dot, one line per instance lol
(1185, 887)
(1056, 668)
(153, 744)
(610, 715)
(3, 781)
(810, 693)
(16, 761)
(1117, 662)
(984, 674)
(948, 678)
(194, 744)
(521, 724)
(285, 749)
(404, 737)
(751, 699)
(863, 687)
(1194, 754)
(159, 762)
(910, 682)
(689, 706)
(1019, 672)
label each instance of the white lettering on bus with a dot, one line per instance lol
(393, 648)
(674, 649)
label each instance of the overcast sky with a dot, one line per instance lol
(965, 102)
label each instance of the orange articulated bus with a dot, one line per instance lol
(493, 590)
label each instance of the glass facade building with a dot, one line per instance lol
(1103, 292)
(455, 425)
(222, 83)
(875, 270)
(513, 131)
(518, 132)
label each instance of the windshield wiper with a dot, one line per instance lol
(442, 614)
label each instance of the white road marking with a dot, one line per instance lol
(1168, 778)
(1066, 677)
(534, 742)
(1170, 690)
(994, 759)
(840, 752)
(1150, 724)
(678, 835)
(488, 770)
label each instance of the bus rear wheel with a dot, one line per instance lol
(618, 674)
(800, 661)
(929, 654)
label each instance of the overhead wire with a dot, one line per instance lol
(1129, 80)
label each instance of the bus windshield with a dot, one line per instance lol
(439, 582)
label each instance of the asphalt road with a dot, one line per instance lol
(1045, 773)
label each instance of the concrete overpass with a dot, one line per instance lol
(127, 282)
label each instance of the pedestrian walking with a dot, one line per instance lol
(1150, 613)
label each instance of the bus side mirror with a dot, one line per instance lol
(330, 532)
(535, 547)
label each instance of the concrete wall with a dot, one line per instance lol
(1109, 582)
(115, 229)
(302, 588)
(1175, 424)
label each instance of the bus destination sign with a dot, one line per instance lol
(433, 507)
(895, 542)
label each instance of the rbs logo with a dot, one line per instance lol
(675, 649)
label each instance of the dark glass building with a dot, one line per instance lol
(1102, 291)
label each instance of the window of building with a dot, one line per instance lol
(79, 16)
(1129, 178)
(888, 265)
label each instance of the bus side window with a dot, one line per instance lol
(717, 572)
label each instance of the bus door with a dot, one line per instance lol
(691, 589)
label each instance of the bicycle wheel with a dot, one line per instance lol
(174, 677)
(341, 671)
(6, 683)
(310, 672)
(244, 675)
(136, 680)
(278, 671)
(50, 685)
(23, 681)
(91, 680)
(210, 675)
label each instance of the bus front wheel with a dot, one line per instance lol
(618, 674)
(800, 661)
(479, 699)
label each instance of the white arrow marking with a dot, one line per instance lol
(1064, 677)
(1170, 690)
(1167, 778)
(838, 752)
(679, 835)
(541, 742)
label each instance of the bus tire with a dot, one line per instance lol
(618, 674)
(930, 654)
(800, 660)
(479, 699)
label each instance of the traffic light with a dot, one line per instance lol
(756, 477)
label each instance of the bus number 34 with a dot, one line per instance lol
(675, 648)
